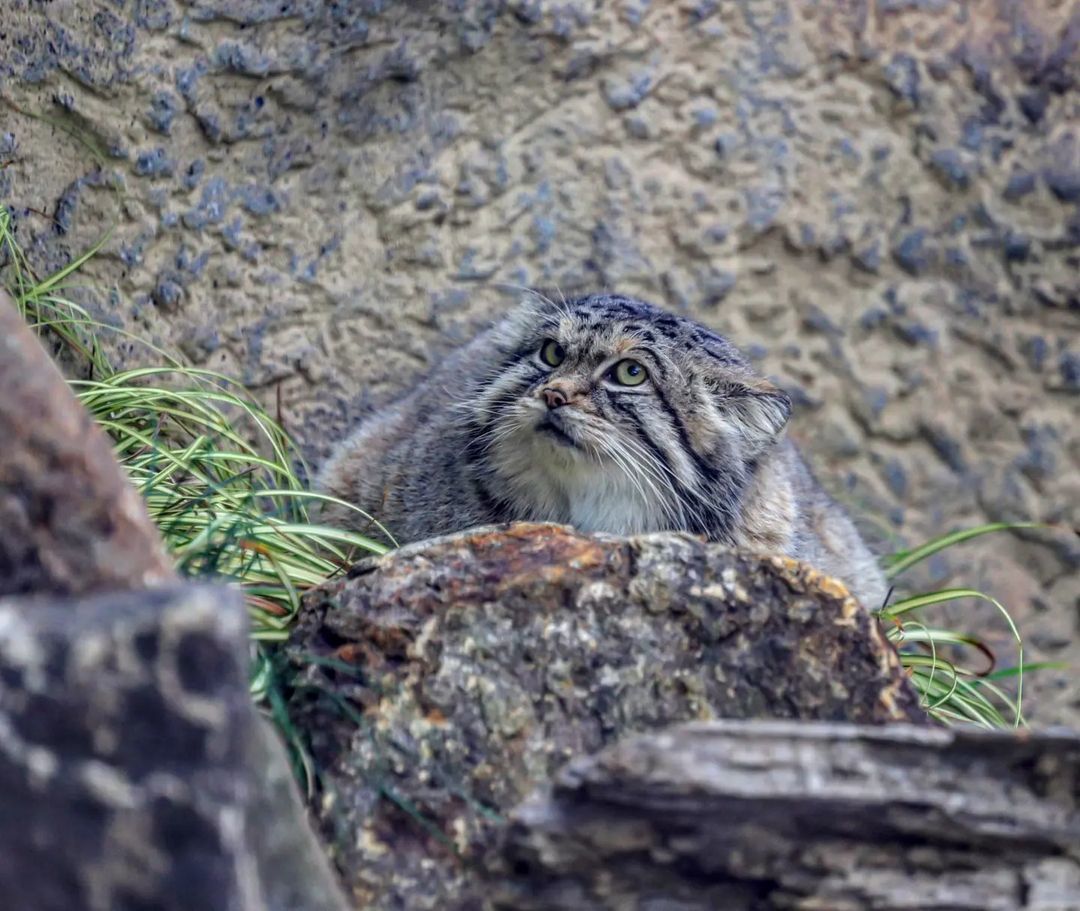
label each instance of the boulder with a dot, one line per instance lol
(440, 684)
(135, 771)
(70, 523)
(743, 816)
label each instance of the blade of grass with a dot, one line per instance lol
(918, 602)
(904, 560)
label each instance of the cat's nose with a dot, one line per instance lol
(554, 397)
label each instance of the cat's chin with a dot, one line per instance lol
(554, 429)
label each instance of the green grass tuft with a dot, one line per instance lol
(939, 660)
(220, 477)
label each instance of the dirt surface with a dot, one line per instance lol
(880, 201)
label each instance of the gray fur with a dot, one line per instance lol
(698, 446)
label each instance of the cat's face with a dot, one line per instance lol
(607, 390)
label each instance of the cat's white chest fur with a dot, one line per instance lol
(598, 500)
(562, 485)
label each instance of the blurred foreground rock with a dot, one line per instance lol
(70, 523)
(441, 684)
(751, 816)
(134, 769)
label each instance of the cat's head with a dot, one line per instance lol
(609, 384)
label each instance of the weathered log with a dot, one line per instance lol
(747, 816)
(70, 523)
(454, 676)
(135, 771)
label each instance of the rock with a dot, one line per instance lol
(952, 167)
(134, 769)
(442, 683)
(1064, 182)
(69, 521)
(294, 871)
(912, 254)
(902, 76)
(1033, 104)
(1069, 366)
(744, 816)
(1020, 185)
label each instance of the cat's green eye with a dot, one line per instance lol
(552, 353)
(629, 373)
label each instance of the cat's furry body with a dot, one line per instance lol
(540, 418)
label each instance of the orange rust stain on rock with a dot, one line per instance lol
(788, 564)
(501, 536)
(831, 586)
(834, 587)
(392, 641)
(435, 717)
(526, 555)
(350, 653)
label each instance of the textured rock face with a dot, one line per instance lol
(442, 683)
(879, 200)
(757, 816)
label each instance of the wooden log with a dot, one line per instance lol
(743, 816)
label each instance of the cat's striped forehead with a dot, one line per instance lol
(616, 322)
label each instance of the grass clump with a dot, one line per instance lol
(938, 660)
(220, 477)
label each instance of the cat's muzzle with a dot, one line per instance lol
(554, 426)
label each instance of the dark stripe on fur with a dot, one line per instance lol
(714, 516)
(498, 509)
(697, 521)
(707, 472)
(643, 433)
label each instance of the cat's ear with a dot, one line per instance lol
(540, 305)
(759, 409)
(533, 309)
